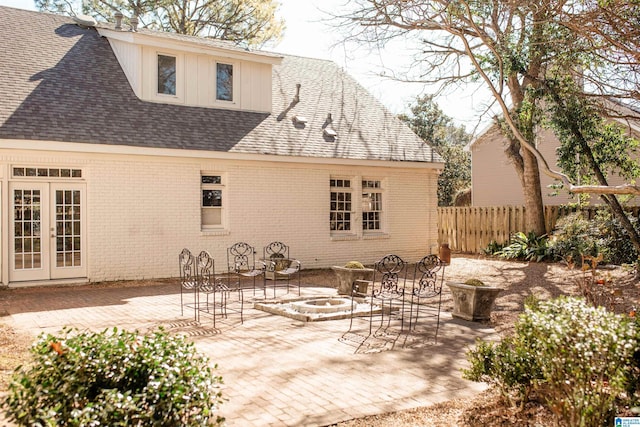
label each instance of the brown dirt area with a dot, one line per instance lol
(519, 280)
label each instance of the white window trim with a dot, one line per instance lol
(216, 229)
(235, 91)
(352, 232)
(382, 231)
(163, 97)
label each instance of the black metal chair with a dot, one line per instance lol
(385, 294)
(388, 289)
(241, 262)
(220, 292)
(279, 265)
(188, 280)
(427, 287)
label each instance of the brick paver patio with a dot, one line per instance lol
(277, 371)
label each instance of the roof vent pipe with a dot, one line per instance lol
(134, 23)
(296, 99)
(329, 119)
(118, 15)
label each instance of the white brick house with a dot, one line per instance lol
(119, 148)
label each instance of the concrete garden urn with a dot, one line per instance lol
(473, 302)
(346, 277)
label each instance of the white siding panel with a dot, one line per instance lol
(494, 179)
(130, 56)
(195, 81)
(192, 82)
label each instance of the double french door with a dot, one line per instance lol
(48, 231)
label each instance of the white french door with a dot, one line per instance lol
(48, 231)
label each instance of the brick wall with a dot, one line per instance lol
(142, 210)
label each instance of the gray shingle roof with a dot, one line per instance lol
(63, 83)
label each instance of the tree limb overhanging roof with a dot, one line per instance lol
(63, 83)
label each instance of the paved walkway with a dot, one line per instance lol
(277, 371)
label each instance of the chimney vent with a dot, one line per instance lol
(134, 23)
(296, 99)
(118, 15)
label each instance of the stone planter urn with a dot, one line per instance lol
(472, 302)
(346, 277)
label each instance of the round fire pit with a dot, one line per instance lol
(323, 305)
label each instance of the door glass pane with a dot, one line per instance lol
(68, 228)
(26, 216)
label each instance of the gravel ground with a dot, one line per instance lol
(519, 280)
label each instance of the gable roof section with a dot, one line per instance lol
(63, 83)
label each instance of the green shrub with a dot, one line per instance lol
(613, 240)
(508, 365)
(580, 358)
(575, 236)
(526, 246)
(114, 378)
(585, 354)
(493, 248)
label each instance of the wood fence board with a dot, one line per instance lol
(471, 229)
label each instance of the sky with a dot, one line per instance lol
(308, 33)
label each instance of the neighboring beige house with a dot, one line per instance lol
(118, 148)
(494, 181)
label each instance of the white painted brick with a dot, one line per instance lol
(142, 210)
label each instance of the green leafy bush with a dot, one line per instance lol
(493, 248)
(575, 236)
(526, 246)
(580, 358)
(585, 354)
(508, 365)
(613, 240)
(114, 378)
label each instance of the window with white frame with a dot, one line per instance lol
(341, 205)
(212, 206)
(224, 82)
(371, 205)
(167, 66)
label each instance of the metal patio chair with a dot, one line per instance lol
(385, 294)
(188, 280)
(241, 262)
(388, 289)
(279, 265)
(222, 296)
(427, 288)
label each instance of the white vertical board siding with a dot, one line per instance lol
(196, 80)
(255, 86)
(130, 58)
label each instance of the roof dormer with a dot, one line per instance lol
(176, 69)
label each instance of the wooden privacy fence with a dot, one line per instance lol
(471, 229)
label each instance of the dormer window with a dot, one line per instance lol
(166, 75)
(224, 82)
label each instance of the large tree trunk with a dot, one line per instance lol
(532, 190)
(526, 167)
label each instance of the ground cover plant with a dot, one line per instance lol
(115, 378)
